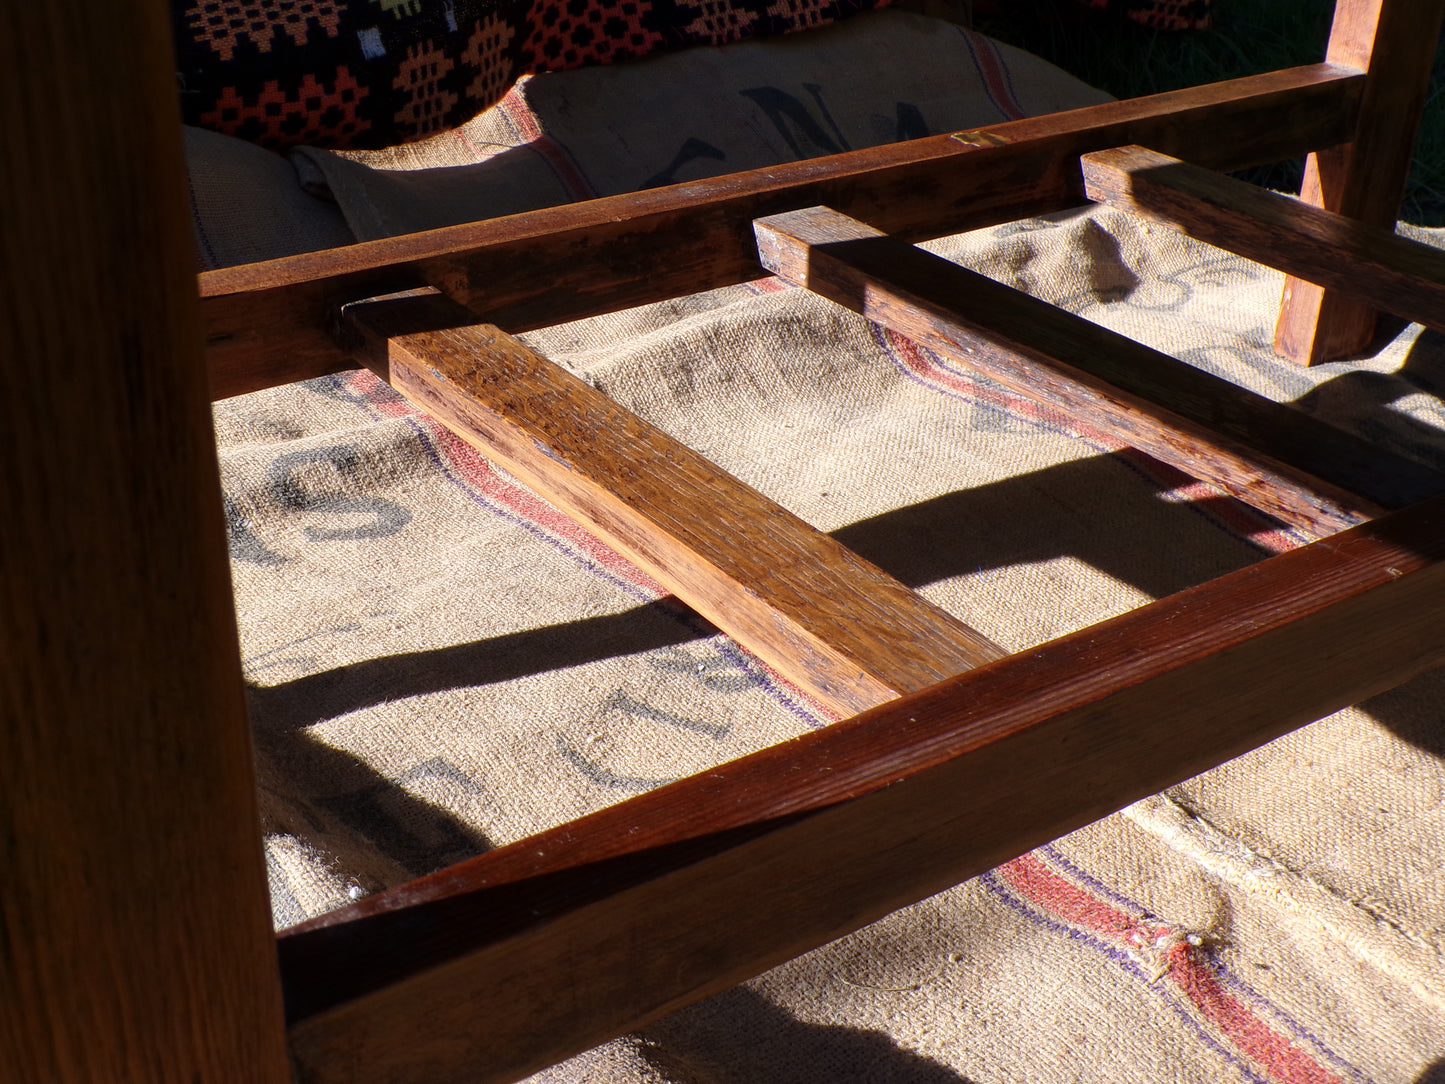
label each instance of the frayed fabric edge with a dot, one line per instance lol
(1385, 943)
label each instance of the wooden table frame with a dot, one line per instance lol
(135, 941)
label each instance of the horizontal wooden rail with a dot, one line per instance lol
(1283, 462)
(567, 938)
(269, 323)
(840, 628)
(1358, 260)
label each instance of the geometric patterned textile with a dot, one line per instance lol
(374, 73)
(1154, 14)
(1158, 14)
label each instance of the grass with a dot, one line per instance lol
(1248, 36)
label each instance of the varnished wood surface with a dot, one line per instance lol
(1283, 462)
(1394, 42)
(269, 323)
(135, 930)
(564, 939)
(838, 627)
(1362, 262)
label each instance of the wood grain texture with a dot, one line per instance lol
(564, 939)
(1306, 473)
(1362, 262)
(840, 628)
(1394, 43)
(135, 930)
(269, 323)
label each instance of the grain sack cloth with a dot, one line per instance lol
(440, 663)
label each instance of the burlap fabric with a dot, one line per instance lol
(874, 79)
(371, 73)
(440, 663)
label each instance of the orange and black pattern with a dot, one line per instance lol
(372, 73)
(1158, 14)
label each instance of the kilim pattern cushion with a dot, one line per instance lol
(1158, 14)
(373, 73)
(1154, 14)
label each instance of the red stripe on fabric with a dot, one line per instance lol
(1185, 967)
(519, 114)
(922, 364)
(1251, 1035)
(770, 285)
(995, 75)
(1068, 901)
(477, 472)
(1237, 517)
(1231, 514)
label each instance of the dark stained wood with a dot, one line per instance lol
(1394, 42)
(268, 323)
(135, 931)
(134, 941)
(564, 939)
(838, 627)
(1283, 462)
(1359, 261)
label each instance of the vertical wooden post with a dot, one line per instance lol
(135, 940)
(1394, 41)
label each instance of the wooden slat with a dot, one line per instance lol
(268, 323)
(564, 939)
(840, 628)
(1283, 462)
(135, 929)
(1394, 42)
(1362, 262)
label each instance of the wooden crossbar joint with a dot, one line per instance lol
(565, 939)
(267, 323)
(839, 627)
(1364, 262)
(1306, 473)
(1394, 43)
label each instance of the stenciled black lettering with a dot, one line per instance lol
(620, 701)
(802, 133)
(691, 150)
(714, 671)
(911, 124)
(243, 542)
(387, 517)
(409, 830)
(604, 777)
